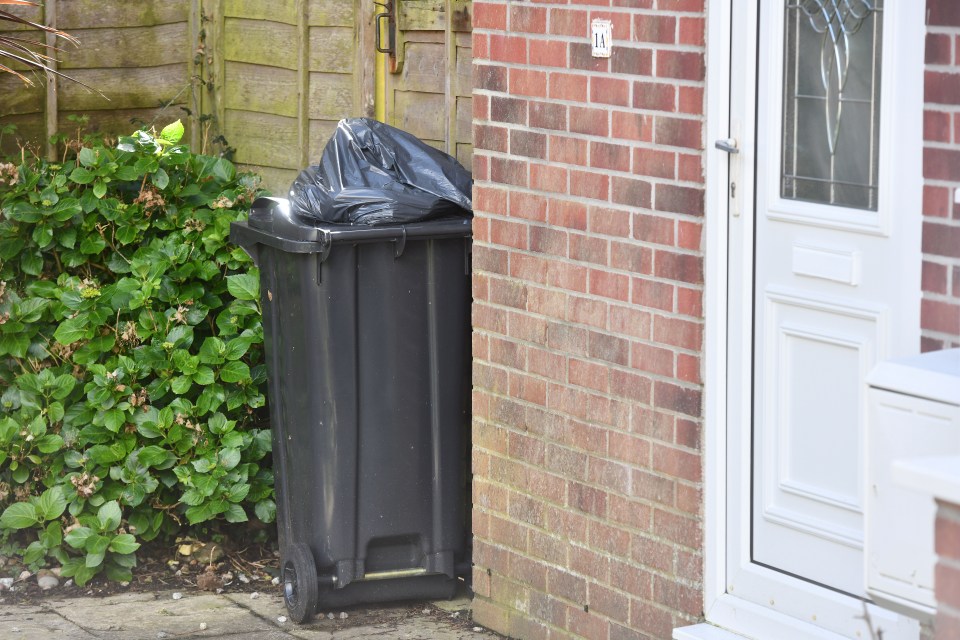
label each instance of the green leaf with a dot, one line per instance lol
(237, 347)
(235, 371)
(180, 385)
(126, 173)
(109, 516)
(173, 132)
(245, 286)
(114, 419)
(72, 329)
(219, 424)
(160, 179)
(124, 543)
(51, 504)
(238, 492)
(92, 244)
(82, 176)
(204, 376)
(100, 188)
(157, 457)
(266, 510)
(228, 458)
(212, 351)
(64, 384)
(203, 465)
(116, 573)
(50, 443)
(15, 344)
(235, 513)
(224, 170)
(20, 515)
(87, 157)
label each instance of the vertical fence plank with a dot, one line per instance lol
(303, 84)
(365, 81)
(193, 43)
(51, 111)
(213, 65)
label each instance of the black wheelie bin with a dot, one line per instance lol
(367, 332)
(365, 288)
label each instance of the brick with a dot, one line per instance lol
(508, 292)
(692, 31)
(654, 96)
(511, 49)
(588, 249)
(512, 110)
(939, 49)
(636, 62)
(650, 293)
(528, 82)
(688, 433)
(937, 315)
(677, 132)
(490, 77)
(675, 398)
(529, 144)
(591, 121)
(689, 235)
(690, 100)
(677, 332)
(567, 86)
(677, 199)
(609, 603)
(589, 375)
(688, 368)
(941, 240)
(941, 88)
(608, 348)
(654, 229)
(480, 42)
(677, 6)
(548, 240)
(564, 213)
(683, 65)
(528, 19)
(568, 150)
(630, 321)
(548, 115)
(548, 53)
(607, 90)
(529, 329)
(943, 13)
(610, 222)
(676, 463)
(508, 234)
(549, 178)
(589, 311)
(628, 191)
(587, 499)
(651, 359)
(489, 16)
(492, 138)
(679, 266)
(629, 256)
(530, 206)
(934, 278)
(588, 184)
(632, 126)
(677, 596)
(490, 199)
(690, 168)
(568, 22)
(619, 19)
(584, 625)
(654, 28)
(508, 171)
(481, 110)
(605, 155)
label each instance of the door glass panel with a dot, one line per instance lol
(831, 102)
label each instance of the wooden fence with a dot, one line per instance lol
(271, 76)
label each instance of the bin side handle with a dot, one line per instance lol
(400, 244)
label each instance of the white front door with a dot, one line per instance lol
(824, 283)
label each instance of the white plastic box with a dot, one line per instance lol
(914, 411)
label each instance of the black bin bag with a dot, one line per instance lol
(373, 174)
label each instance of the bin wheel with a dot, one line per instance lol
(300, 589)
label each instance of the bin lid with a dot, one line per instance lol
(934, 375)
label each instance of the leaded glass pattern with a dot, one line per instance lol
(831, 102)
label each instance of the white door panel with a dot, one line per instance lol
(823, 284)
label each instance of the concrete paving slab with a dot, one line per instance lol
(155, 616)
(39, 625)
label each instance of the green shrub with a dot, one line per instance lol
(130, 354)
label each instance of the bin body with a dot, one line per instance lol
(367, 343)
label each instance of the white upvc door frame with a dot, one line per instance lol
(729, 268)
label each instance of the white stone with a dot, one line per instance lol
(203, 626)
(5, 583)
(254, 595)
(281, 619)
(24, 575)
(177, 595)
(344, 615)
(48, 582)
(243, 578)
(275, 581)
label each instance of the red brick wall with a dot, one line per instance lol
(587, 319)
(947, 578)
(940, 311)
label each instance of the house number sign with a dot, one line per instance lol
(602, 38)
